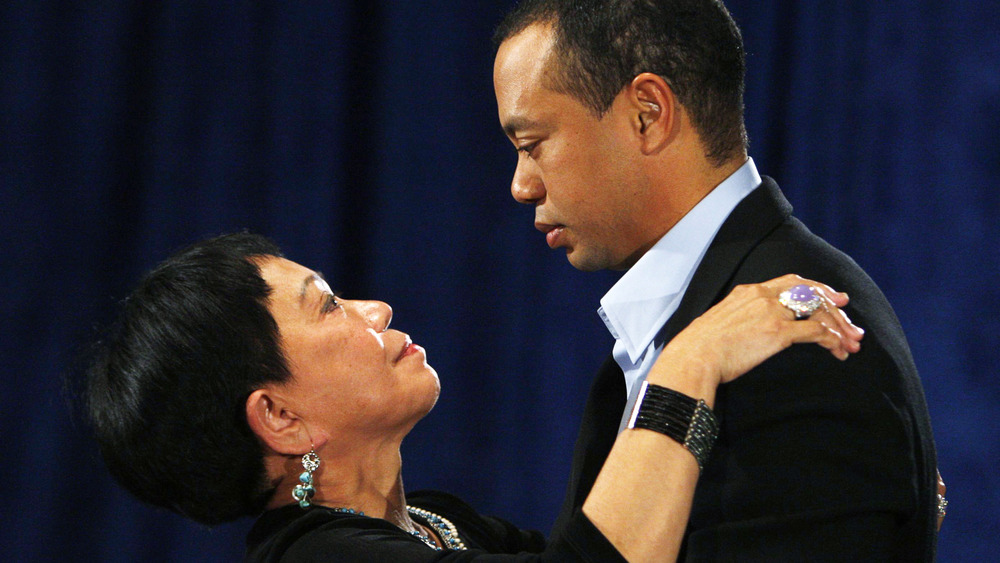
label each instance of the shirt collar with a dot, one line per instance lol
(636, 307)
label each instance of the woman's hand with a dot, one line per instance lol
(647, 473)
(749, 326)
(942, 504)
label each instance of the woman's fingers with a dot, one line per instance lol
(828, 326)
(942, 503)
(834, 302)
(834, 297)
(830, 313)
(751, 325)
(826, 335)
(838, 298)
(847, 335)
(850, 333)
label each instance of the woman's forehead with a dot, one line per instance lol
(291, 280)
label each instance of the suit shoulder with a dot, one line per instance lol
(793, 248)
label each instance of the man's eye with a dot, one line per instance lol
(528, 149)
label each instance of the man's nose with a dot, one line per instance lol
(526, 186)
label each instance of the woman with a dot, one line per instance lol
(236, 383)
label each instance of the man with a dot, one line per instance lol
(628, 119)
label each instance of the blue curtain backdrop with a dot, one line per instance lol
(362, 135)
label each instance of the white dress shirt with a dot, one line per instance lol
(637, 307)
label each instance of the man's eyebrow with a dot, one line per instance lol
(307, 281)
(517, 123)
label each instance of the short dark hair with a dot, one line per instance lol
(601, 45)
(166, 391)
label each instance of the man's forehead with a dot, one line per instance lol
(523, 56)
(519, 78)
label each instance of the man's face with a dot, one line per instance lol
(580, 172)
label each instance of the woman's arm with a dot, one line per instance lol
(642, 497)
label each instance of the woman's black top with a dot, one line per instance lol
(293, 534)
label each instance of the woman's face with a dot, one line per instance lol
(349, 372)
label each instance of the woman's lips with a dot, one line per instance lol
(409, 348)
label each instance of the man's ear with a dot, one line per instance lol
(655, 109)
(277, 426)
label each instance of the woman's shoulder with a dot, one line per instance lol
(291, 533)
(490, 533)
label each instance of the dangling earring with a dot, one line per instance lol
(304, 491)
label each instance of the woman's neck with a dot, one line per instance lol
(368, 482)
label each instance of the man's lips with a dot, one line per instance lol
(552, 233)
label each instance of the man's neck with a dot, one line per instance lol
(681, 189)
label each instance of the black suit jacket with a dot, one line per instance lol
(817, 459)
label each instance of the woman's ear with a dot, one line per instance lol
(277, 426)
(655, 109)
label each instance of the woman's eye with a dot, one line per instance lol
(331, 302)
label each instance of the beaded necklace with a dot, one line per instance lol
(444, 528)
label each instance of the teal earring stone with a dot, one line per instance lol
(304, 491)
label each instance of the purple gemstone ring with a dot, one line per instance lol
(802, 300)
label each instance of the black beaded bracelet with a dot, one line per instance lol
(687, 421)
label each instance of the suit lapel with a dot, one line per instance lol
(757, 215)
(598, 431)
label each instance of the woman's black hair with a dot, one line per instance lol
(167, 389)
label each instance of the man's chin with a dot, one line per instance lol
(583, 261)
(593, 262)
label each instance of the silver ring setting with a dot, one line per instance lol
(802, 300)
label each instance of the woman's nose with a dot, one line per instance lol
(376, 313)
